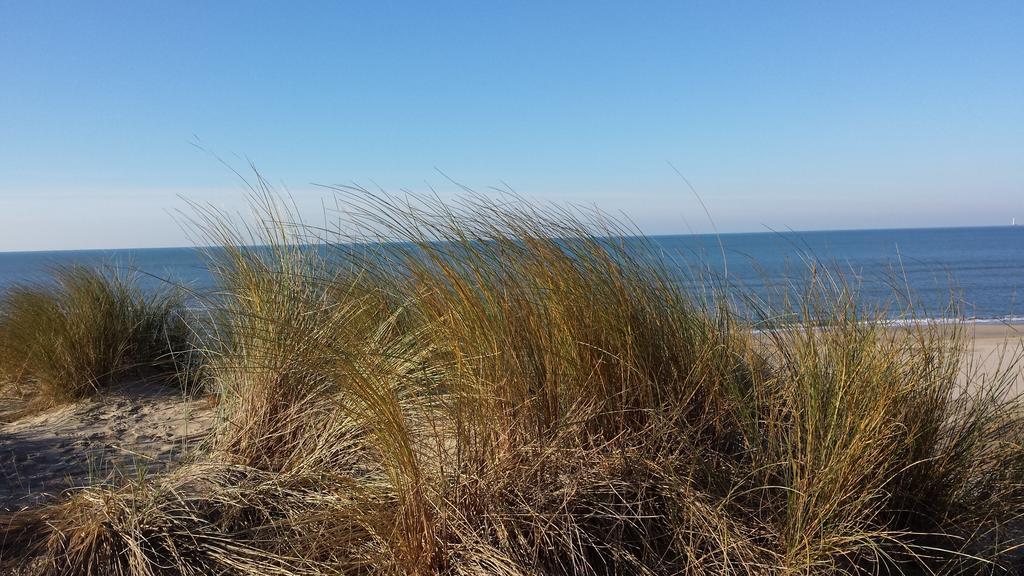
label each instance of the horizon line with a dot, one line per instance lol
(767, 231)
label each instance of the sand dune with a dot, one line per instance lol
(134, 428)
(138, 428)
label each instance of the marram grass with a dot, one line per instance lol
(85, 328)
(487, 387)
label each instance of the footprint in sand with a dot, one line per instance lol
(42, 454)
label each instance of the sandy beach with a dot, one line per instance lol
(994, 349)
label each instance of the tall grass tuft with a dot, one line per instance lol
(85, 329)
(494, 387)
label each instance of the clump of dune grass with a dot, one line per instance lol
(84, 329)
(494, 387)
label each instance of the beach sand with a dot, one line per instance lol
(994, 351)
(132, 429)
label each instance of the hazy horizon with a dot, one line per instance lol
(790, 231)
(804, 115)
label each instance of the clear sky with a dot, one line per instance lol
(811, 115)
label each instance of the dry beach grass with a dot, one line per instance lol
(492, 387)
(85, 329)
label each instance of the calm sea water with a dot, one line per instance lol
(979, 270)
(982, 269)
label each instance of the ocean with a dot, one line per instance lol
(980, 270)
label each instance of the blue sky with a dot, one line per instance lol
(811, 115)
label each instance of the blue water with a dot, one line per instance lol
(156, 266)
(977, 271)
(981, 270)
